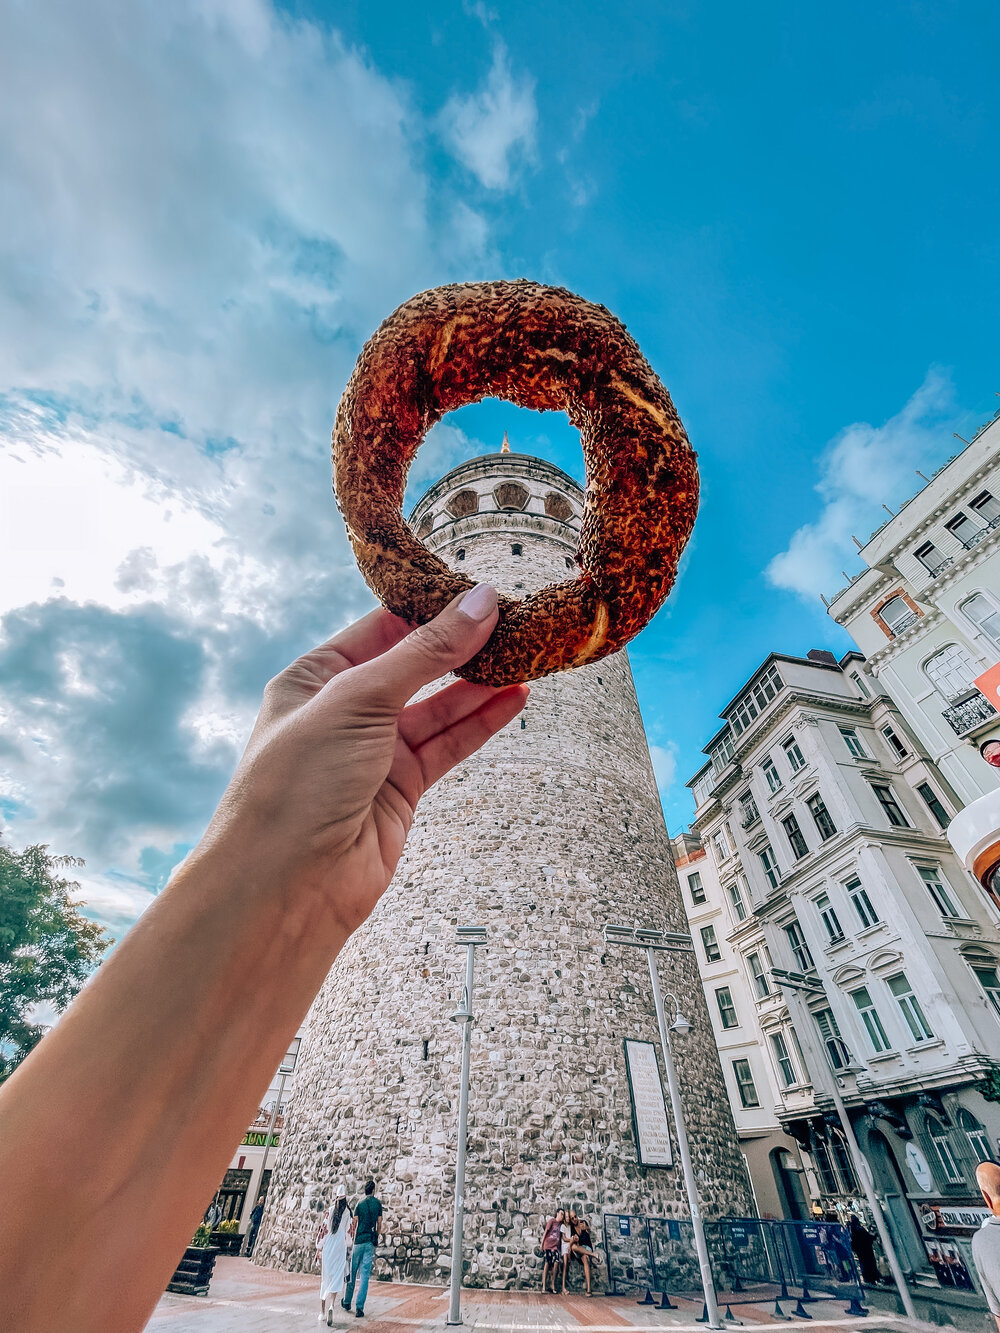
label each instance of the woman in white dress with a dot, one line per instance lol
(332, 1241)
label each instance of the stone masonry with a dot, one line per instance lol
(548, 834)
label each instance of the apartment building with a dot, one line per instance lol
(925, 611)
(824, 823)
(782, 1183)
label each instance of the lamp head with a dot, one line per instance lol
(680, 1025)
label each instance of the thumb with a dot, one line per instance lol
(434, 649)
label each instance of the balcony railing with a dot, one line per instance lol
(968, 713)
(974, 541)
(946, 563)
(904, 623)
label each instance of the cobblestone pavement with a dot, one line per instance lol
(256, 1300)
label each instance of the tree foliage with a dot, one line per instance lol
(47, 948)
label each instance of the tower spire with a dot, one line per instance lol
(505, 447)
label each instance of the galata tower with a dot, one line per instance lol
(551, 832)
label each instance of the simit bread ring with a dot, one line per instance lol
(542, 348)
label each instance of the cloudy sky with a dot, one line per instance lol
(209, 204)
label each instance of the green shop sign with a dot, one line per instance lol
(257, 1138)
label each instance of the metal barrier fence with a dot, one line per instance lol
(754, 1262)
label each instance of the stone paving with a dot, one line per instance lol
(256, 1300)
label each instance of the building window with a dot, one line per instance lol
(986, 506)
(799, 947)
(771, 774)
(861, 683)
(761, 981)
(976, 1134)
(984, 615)
(943, 1151)
(936, 887)
(887, 801)
(987, 978)
(933, 803)
(460, 553)
(722, 754)
(770, 867)
(510, 495)
(515, 548)
(862, 903)
(909, 1007)
(821, 816)
(755, 700)
(745, 1083)
(838, 1053)
(748, 808)
(895, 743)
(853, 743)
(828, 916)
(710, 944)
(697, 888)
(869, 1016)
(783, 1060)
(897, 615)
(737, 900)
(951, 672)
(727, 1010)
(931, 558)
(963, 529)
(793, 754)
(702, 789)
(795, 839)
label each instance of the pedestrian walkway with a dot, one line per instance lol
(258, 1300)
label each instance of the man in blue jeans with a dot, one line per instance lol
(365, 1229)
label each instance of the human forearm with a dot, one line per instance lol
(148, 1082)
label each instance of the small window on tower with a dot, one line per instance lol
(515, 548)
(460, 553)
(569, 563)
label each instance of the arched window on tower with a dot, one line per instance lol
(510, 495)
(951, 671)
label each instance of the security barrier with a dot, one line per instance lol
(754, 1261)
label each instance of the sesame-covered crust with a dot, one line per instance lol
(546, 349)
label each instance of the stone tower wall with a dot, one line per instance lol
(548, 834)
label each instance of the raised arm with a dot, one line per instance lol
(131, 1106)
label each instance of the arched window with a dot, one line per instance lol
(558, 507)
(510, 495)
(463, 503)
(951, 672)
(984, 615)
(897, 615)
(940, 1141)
(976, 1135)
(426, 526)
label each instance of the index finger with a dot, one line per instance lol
(369, 637)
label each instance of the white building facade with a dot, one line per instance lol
(926, 612)
(824, 821)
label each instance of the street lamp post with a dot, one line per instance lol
(286, 1067)
(796, 982)
(654, 942)
(470, 936)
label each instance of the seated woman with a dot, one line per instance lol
(582, 1247)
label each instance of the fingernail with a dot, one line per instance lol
(479, 602)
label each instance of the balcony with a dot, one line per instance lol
(969, 712)
(904, 623)
(946, 563)
(974, 541)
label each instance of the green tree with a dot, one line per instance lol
(47, 948)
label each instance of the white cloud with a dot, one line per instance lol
(865, 467)
(209, 205)
(664, 759)
(492, 131)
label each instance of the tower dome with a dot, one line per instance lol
(552, 831)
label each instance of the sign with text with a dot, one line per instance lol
(649, 1111)
(988, 684)
(259, 1139)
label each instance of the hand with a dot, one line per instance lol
(336, 763)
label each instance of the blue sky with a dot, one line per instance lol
(212, 203)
